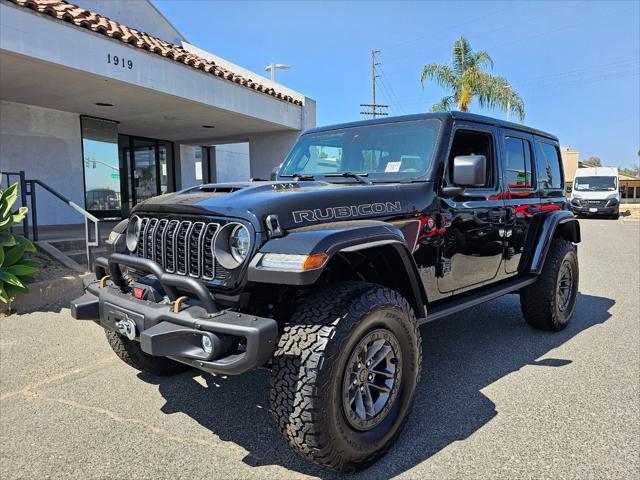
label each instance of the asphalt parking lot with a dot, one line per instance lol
(496, 400)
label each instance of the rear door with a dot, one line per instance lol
(520, 194)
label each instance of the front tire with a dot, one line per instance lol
(345, 374)
(129, 352)
(549, 303)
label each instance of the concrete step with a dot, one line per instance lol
(80, 256)
(70, 244)
(74, 258)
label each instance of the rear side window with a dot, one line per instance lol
(517, 168)
(548, 163)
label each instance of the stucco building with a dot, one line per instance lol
(108, 104)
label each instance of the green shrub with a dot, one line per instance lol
(15, 270)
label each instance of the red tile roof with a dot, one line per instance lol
(62, 10)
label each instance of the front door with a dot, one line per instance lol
(147, 165)
(472, 250)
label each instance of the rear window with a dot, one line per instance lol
(517, 168)
(548, 163)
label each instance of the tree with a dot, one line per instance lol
(593, 162)
(465, 79)
(630, 171)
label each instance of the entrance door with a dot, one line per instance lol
(145, 170)
(147, 166)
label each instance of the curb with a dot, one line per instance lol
(48, 293)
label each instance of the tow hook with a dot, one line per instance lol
(127, 327)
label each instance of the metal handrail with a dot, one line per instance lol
(34, 215)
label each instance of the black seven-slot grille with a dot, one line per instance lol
(181, 246)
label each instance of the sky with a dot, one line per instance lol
(575, 64)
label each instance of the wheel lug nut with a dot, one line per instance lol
(362, 388)
(370, 377)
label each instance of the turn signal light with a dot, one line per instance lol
(314, 261)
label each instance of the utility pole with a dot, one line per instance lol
(375, 107)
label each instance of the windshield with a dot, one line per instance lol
(594, 184)
(383, 152)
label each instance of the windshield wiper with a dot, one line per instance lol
(297, 176)
(357, 176)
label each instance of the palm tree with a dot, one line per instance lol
(466, 80)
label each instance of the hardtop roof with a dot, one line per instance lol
(472, 117)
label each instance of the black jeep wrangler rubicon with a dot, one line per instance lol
(324, 275)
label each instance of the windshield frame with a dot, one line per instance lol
(577, 181)
(373, 177)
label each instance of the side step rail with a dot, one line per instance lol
(476, 298)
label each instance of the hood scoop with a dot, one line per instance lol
(216, 189)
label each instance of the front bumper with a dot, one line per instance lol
(163, 332)
(599, 210)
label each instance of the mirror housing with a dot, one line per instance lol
(470, 170)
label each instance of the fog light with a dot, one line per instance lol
(207, 346)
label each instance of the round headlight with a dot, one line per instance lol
(133, 232)
(232, 245)
(239, 243)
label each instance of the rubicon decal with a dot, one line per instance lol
(364, 210)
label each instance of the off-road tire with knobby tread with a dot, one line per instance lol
(308, 368)
(538, 301)
(129, 352)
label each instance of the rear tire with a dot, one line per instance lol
(129, 352)
(549, 303)
(345, 374)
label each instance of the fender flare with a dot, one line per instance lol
(548, 226)
(333, 239)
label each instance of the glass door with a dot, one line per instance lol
(145, 169)
(147, 166)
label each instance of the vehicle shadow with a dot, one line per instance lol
(462, 354)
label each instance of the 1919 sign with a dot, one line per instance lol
(117, 61)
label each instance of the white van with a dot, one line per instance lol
(595, 192)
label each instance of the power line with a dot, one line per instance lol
(391, 94)
(575, 76)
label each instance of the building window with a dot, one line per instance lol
(101, 166)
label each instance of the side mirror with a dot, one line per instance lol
(470, 170)
(623, 189)
(274, 173)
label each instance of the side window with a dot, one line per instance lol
(548, 165)
(470, 142)
(517, 163)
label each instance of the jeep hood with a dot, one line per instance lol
(296, 204)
